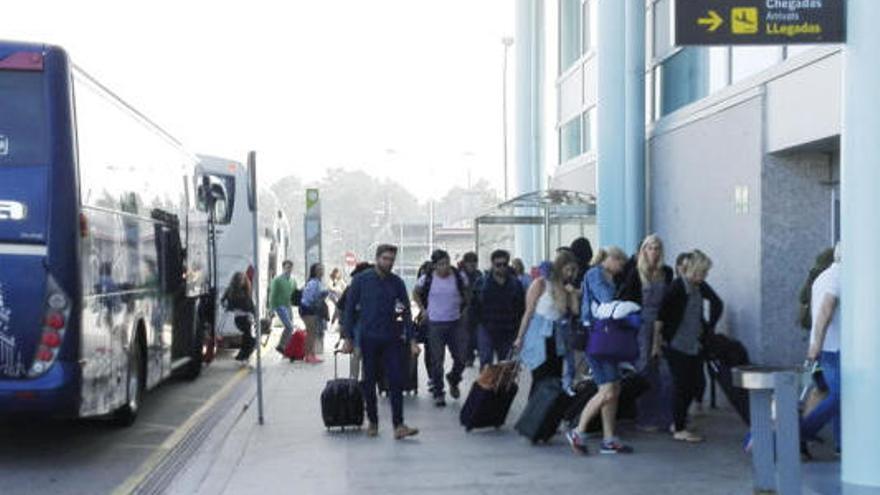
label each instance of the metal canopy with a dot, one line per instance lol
(545, 208)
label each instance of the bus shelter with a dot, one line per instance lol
(554, 216)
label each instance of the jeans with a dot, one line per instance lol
(494, 343)
(390, 354)
(285, 316)
(245, 325)
(828, 409)
(687, 373)
(443, 335)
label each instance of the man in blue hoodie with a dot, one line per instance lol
(374, 301)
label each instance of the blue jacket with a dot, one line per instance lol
(595, 287)
(377, 307)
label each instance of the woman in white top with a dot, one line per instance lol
(550, 302)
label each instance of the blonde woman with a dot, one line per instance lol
(646, 283)
(682, 326)
(550, 302)
(599, 288)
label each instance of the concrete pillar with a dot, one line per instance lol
(634, 132)
(621, 114)
(860, 235)
(529, 49)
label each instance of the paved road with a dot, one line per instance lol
(94, 457)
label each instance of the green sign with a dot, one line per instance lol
(759, 22)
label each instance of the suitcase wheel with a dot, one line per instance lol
(468, 429)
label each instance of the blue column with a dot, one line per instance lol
(611, 110)
(621, 132)
(860, 294)
(528, 49)
(634, 133)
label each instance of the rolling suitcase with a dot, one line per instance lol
(410, 377)
(738, 397)
(543, 413)
(631, 388)
(723, 354)
(342, 401)
(295, 350)
(491, 396)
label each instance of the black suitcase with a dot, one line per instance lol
(631, 388)
(543, 413)
(738, 397)
(342, 401)
(410, 378)
(485, 408)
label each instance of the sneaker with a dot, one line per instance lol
(440, 401)
(373, 430)
(454, 391)
(577, 442)
(687, 436)
(404, 431)
(612, 447)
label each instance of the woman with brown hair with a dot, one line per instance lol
(237, 300)
(549, 303)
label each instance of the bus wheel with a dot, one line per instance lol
(126, 415)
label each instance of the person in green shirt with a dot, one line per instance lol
(279, 301)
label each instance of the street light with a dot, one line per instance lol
(507, 41)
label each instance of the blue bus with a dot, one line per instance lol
(105, 288)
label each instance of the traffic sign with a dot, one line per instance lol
(759, 22)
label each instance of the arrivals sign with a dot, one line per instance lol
(759, 22)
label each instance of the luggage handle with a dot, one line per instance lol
(336, 352)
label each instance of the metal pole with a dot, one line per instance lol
(252, 166)
(507, 41)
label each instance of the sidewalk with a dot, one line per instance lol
(293, 453)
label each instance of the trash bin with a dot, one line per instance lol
(776, 463)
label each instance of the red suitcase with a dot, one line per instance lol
(296, 347)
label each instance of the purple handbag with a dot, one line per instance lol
(613, 340)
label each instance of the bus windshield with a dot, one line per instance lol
(24, 136)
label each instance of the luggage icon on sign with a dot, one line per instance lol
(744, 20)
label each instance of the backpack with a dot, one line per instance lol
(296, 297)
(429, 279)
(805, 311)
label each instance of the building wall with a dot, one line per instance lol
(741, 177)
(695, 170)
(796, 226)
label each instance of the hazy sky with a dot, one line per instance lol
(409, 89)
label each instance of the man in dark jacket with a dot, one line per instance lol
(470, 267)
(372, 304)
(499, 306)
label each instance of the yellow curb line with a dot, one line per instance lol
(130, 484)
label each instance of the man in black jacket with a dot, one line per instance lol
(499, 306)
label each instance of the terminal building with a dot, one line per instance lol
(742, 159)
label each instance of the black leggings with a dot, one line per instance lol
(248, 342)
(552, 366)
(687, 378)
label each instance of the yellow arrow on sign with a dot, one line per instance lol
(714, 21)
